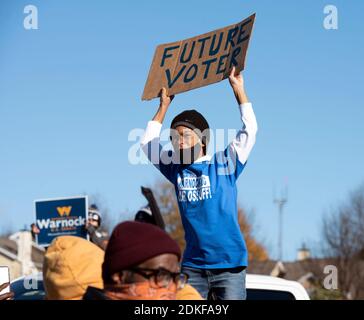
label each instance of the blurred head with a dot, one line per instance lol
(94, 217)
(34, 229)
(190, 135)
(71, 264)
(141, 263)
(145, 215)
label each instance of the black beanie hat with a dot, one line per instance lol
(193, 120)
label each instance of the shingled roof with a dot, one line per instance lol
(9, 248)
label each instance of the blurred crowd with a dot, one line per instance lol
(139, 261)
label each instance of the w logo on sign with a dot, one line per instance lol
(64, 211)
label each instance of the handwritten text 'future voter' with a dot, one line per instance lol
(190, 74)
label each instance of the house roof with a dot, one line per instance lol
(9, 248)
(261, 267)
(37, 254)
(289, 270)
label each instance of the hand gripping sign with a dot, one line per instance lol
(61, 217)
(199, 61)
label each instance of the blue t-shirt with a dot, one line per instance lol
(207, 199)
(207, 195)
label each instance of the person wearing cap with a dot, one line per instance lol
(144, 214)
(216, 255)
(142, 263)
(150, 213)
(98, 237)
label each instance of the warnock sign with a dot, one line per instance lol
(196, 62)
(61, 217)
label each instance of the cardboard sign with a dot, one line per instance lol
(188, 64)
(61, 217)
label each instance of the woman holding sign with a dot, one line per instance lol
(216, 255)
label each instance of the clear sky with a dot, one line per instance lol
(70, 92)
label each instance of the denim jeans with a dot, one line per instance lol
(218, 284)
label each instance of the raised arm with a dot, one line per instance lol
(164, 103)
(245, 139)
(155, 125)
(237, 84)
(150, 143)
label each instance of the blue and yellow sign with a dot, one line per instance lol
(61, 217)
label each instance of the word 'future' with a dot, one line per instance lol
(235, 36)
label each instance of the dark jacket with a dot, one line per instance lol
(93, 293)
(97, 237)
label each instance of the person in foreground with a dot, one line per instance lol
(142, 263)
(71, 264)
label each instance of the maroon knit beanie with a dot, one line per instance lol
(132, 243)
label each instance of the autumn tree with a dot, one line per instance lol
(343, 243)
(166, 199)
(256, 249)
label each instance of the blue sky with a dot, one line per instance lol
(70, 92)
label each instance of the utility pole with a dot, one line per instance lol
(280, 202)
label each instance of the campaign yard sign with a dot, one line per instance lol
(199, 61)
(61, 217)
